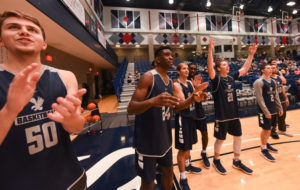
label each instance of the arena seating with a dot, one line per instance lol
(245, 93)
(119, 78)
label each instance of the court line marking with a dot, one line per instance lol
(228, 144)
(97, 170)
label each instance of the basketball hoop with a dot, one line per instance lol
(237, 13)
(285, 17)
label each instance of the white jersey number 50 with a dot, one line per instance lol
(37, 135)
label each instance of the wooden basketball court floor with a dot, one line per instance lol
(283, 174)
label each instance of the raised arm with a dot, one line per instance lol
(247, 64)
(67, 109)
(210, 63)
(19, 94)
(138, 104)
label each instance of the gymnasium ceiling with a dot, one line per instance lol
(252, 7)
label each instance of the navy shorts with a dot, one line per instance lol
(266, 123)
(201, 124)
(146, 166)
(233, 127)
(185, 133)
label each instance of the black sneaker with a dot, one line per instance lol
(205, 160)
(265, 153)
(157, 187)
(184, 184)
(269, 147)
(193, 169)
(217, 164)
(239, 165)
(274, 135)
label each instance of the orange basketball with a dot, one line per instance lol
(88, 118)
(91, 106)
(96, 118)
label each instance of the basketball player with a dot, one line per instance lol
(200, 121)
(152, 102)
(185, 129)
(268, 100)
(283, 99)
(226, 107)
(39, 108)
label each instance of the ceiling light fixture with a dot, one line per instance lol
(291, 3)
(270, 9)
(208, 4)
(242, 6)
(127, 0)
(171, 2)
(295, 11)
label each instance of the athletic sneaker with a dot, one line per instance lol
(157, 187)
(217, 164)
(285, 133)
(239, 165)
(274, 135)
(193, 169)
(205, 160)
(184, 184)
(269, 147)
(287, 125)
(265, 153)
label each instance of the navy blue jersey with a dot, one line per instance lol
(37, 152)
(278, 81)
(189, 112)
(225, 100)
(153, 127)
(200, 114)
(269, 95)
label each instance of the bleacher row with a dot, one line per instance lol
(119, 78)
(235, 65)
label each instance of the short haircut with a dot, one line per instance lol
(270, 62)
(192, 64)
(160, 49)
(263, 66)
(218, 63)
(179, 66)
(7, 14)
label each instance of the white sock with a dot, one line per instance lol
(264, 146)
(236, 158)
(187, 162)
(182, 175)
(203, 151)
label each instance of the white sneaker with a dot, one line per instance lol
(285, 133)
